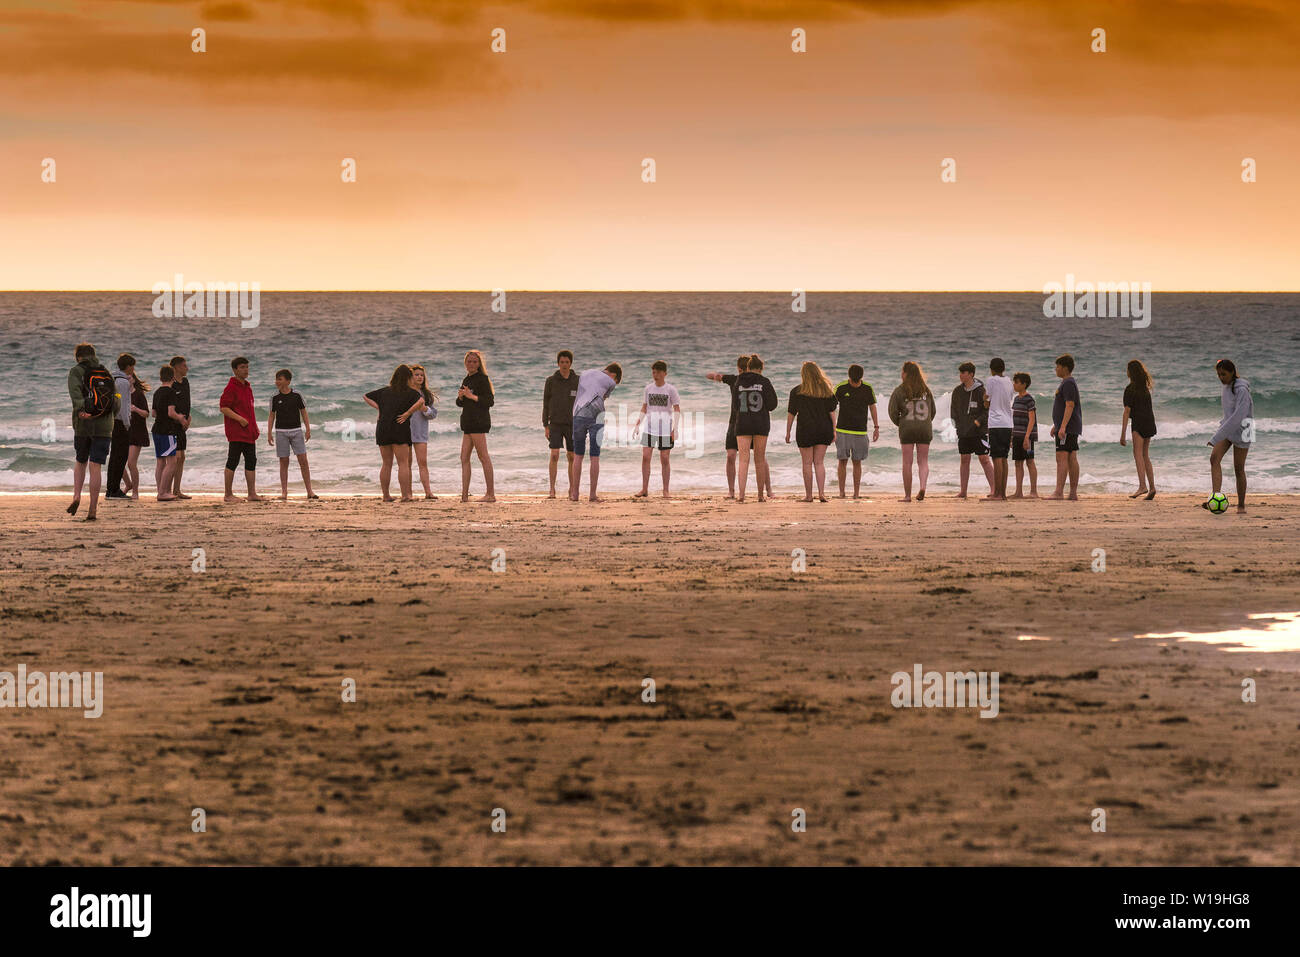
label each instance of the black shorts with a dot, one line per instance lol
(1067, 443)
(92, 448)
(999, 443)
(731, 441)
(1018, 451)
(180, 441)
(561, 436)
(973, 445)
(246, 450)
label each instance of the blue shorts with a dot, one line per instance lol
(91, 447)
(584, 428)
(164, 446)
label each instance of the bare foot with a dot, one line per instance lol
(1033, 495)
(552, 495)
(961, 495)
(1139, 493)
(464, 498)
(312, 495)
(387, 498)
(167, 498)
(1241, 510)
(90, 516)
(731, 495)
(1019, 495)
(667, 496)
(641, 495)
(228, 498)
(920, 496)
(822, 498)
(406, 498)
(855, 495)
(1151, 495)
(488, 498)
(430, 497)
(993, 498)
(1074, 497)
(76, 504)
(182, 496)
(251, 498)
(1055, 497)
(906, 498)
(284, 496)
(806, 498)
(595, 498)
(841, 495)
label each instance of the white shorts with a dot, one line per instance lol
(287, 440)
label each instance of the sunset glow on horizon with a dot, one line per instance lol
(774, 169)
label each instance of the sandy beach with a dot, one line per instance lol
(521, 689)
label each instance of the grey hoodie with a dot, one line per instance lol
(1238, 406)
(123, 383)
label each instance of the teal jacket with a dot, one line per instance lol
(100, 428)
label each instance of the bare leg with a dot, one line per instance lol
(1137, 462)
(575, 477)
(403, 455)
(179, 469)
(386, 470)
(987, 465)
(1033, 479)
(95, 482)
(731, 472)
(806, 461)
(466, 446)
(485, 462)
(554, 466)
(1062, 470)
(250, 479)
(819, 469)
(742, 467)
(1238, 466)
(842, 473)
(284, 477)
(306, 473)
(922, 467)
(164, 481)
(645, 473)
(907, 448)
(78, 480)
(760, 466)
(595, 477)
(1074, 476)
(421, 450)
(965, 474)
(666, 468)
(133, 470)
(1020, 479)
(857, 478)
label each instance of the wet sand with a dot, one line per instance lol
(521, 689)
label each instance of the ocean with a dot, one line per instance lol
(342, 345)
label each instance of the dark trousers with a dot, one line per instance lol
(117, 454)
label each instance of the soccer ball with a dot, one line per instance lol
(1218, 503)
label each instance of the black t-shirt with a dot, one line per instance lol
(1141, 416)
(164, 424)
(756, 398)
(813, 425)
(388, 431)
(730, 382)
(286, 406)
(855, 406)
(181, 392)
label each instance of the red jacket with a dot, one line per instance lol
(238, 398)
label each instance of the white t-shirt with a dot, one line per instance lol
(1000, 392)
(659, 401)
(594, 386)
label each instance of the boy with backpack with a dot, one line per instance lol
(94, 405)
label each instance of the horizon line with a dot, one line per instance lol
(783, 292)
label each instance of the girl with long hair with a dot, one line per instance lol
(1236, 430)
(812, 404)
(475, 397)
(1138, 411)
(911, 408)
(396, 403)
(420, 425)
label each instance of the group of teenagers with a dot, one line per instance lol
(995, 419)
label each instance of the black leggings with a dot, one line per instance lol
(247, 450)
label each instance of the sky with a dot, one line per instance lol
(774, 170)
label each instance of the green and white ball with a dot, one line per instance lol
(1218, 503)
